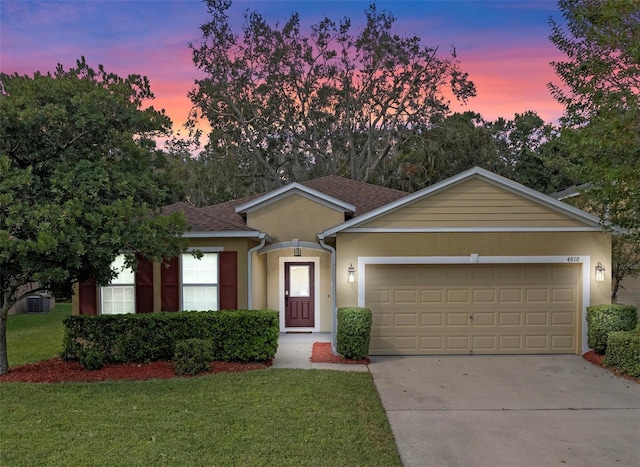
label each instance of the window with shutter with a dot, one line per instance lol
(119, 296)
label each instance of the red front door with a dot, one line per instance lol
(298, 295)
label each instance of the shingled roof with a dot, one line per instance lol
(223, 217)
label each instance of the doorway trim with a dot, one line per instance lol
(316, 291)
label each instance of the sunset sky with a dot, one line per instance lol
(503, 45)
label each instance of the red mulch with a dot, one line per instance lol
(322, 353)
(57, 370)
(594, 358)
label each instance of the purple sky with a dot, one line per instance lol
(503, 45)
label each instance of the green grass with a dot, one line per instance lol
(276, 417)
(35, 337)
(265, 417)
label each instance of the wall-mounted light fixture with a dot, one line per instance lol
(600, 270)
(351, 274)
(297, 252)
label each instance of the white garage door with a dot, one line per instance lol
(473, 309)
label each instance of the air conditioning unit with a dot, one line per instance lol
(37, 304)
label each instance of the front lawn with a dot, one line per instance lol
(34, 337)
(265, 417)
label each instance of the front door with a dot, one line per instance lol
(298, 295)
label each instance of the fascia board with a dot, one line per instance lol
(490, 177)
(295, 188)
(228, 234)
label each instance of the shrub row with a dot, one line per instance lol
(603, 319)
(623, 352)
(614, 330)
(354, 332)
(241, 336)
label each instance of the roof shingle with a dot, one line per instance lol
(223, 217)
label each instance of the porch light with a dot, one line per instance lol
(351, 274)
(297, 252)
(600, 270)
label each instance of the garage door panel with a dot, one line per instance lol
(511, 343)
(563, 343)
(458, 343)
(405, 296)
(537, 295)
(484, 296)
(457, 319)
(431, 296)
(405, 320)
(563, 318)
(430, 320)
(563, 295)
(484, 344)
(488, 309)
(484, 319)
(510, 319)
(510, 295)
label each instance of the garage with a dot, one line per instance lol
(474, 308)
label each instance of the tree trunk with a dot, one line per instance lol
(4, 362)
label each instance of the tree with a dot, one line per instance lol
(288, 107)
(445, 148)
(601, 93)
(78, 182)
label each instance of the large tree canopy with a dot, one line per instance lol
(601, 92)
(78, 181)
(285, 106)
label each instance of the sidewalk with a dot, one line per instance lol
(294, 351)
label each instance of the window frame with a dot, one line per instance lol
(117, 264)
(215, 284)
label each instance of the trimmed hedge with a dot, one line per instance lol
(623, 352)
(192, 356)
(603, 319)
(239, 335)
(354, 332)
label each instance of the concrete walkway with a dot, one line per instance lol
(294, 351)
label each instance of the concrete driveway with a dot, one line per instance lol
(509, 411)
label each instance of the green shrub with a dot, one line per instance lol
(91, 359)
(192, 356)
(603, 319)
(243, 336)
(354, 332)
(623, 352)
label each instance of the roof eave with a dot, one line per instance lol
(292, 188)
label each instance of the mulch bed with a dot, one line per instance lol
(594, 358)
(56, 370)
(322, 353)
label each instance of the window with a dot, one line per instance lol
(200, 282)
(119, 296)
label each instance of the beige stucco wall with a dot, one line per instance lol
(259, 279)
(294, 217)
(350, 246)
